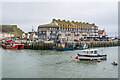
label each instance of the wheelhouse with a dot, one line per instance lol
(90, 51)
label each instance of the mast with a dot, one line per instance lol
(32, 29)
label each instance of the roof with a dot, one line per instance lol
(69, 24)
(90, 50)
(41, 25)
(101, 31)
(25, 33)
(73, 23)
(5, 28)
(33, 32)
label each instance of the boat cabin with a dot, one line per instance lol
(90, 51)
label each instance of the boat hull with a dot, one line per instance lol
(64, 48)
(13, 47)
(91, 54)
(93, 58)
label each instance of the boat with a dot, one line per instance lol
(90, 54)
(64, 48)
(12, 45)
(85, 46)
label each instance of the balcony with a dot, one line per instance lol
(76, 35)
(42, 33)
(52, 33)
(91, 35)
(84, 35)
(95, 28)
(94, 32)
(67, 34)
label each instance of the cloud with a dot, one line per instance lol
(26, 14)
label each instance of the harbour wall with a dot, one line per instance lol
(48, 46)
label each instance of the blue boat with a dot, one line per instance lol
(83, 47)
(64, 48)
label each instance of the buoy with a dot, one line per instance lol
(76, 57)
(29, 44)
(99, 60)
(115, 63)
(104, 69)
(91, 59)
(77, 47)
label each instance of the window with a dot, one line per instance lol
(59, 32)
(44, 32)
(91, 52)
(95, 52)
(65, 28)
(62, 28)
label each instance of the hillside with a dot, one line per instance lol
(17, 31)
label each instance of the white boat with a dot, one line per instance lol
(90, 54)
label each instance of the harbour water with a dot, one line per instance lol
(57, 64)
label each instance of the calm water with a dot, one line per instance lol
(57, 64)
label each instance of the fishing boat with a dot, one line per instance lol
(12, 45)
(90, 54)
(85, 46)
(64, 47)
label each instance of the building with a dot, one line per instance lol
(30, 35)
(24, 35)
(4, 35)
(102, 33)
(67, 30)
(6, 32)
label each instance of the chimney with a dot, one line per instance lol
(58, 19)
(93, 23)
(53, 19)
(73, 21)
(64, 20)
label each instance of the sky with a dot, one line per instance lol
(27, 14)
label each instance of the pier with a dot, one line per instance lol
(48, 46)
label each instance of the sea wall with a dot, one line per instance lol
(48, 46)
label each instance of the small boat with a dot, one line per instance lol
(13, 45)
(114, 63)
(90, 54)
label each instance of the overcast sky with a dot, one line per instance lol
(28, 14)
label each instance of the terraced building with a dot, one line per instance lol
(67, 30)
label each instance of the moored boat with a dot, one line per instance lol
(64, 47)
(13, 45)
(90, 54)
